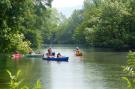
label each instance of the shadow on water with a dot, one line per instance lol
(94, 70)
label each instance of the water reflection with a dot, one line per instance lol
(94, 70)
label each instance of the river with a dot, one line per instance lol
(96, 69)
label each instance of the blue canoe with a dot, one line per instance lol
(57, 59)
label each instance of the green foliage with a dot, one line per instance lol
(16, 83)
(37, 85)
(52, 24)
(21, 24)
(112, 22)
(67, 28)
(130, 70)
(14, 80)
(12, 18)
(128, 82)
(17, 43)
(34, 37)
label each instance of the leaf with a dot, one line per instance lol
(10, 75)
(25, 87)
(18, 73)
(38, 85)
(128, 82)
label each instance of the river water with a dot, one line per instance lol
(96, 69)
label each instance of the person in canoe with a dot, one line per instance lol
(50, 54)
(78, 52)
(53, 55)
(59, 55)
(16, 55)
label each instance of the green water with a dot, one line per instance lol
(96, 69)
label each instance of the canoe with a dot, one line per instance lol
(57, 59)
(34, 55)
(16, 56)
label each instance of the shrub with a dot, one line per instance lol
(15, 82)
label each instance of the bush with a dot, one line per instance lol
(18, 43)
(130, 70)
(15, 83)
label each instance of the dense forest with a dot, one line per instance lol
(108, 23)
(23, 24)
(27, 24)
(101, 23)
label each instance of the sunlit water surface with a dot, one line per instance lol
(96, 69)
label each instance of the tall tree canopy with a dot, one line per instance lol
(21, 22)
(107, 23)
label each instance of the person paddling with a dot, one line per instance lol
(78, 51)
(50, 54)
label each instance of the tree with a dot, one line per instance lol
(107, 23)
(66, 29)
(19, 17)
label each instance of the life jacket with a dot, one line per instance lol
(78, 52)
